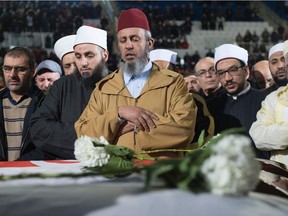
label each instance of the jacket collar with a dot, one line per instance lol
(158, 78)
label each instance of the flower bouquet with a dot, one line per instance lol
(224, 165)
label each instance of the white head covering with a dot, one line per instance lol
(285, 48)
(50, 66)
(64, 45)
(230, 51)
(93, 35)
(276, 48)
(163, 54)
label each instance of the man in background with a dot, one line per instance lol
(209, 82)
(63, 48)
(237, 106)
(46, 73)
(276, 66)
(261, 75)
(52, 126)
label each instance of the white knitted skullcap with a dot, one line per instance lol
(163, 54)
(230, 51)
(64, 45)
(276, 48)
(93, 35)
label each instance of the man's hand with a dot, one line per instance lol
(143, 119)
(125, 128)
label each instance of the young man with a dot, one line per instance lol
(140, 106)
(17, 103)
(276, 66)
(238, 105)
(52, 126)
(63, 48)
(269, 131)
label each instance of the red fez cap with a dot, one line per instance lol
(132, 18)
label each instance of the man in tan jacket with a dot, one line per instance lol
(140, 105)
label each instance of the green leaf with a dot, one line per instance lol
(117, 166)
(119, 150)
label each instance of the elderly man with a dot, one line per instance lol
(210, 85)
(46, 73)
(52, 126)
(17, 103)
(261, 75)
(140, 106)
(63, 48)
(269, 131)
(276, 66)
(238, 105)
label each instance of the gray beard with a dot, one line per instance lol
(133, 68)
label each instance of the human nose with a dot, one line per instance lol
(228, 76)
(129, 44)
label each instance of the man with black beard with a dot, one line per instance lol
(140, 106)
(276, 65)
(52, 126)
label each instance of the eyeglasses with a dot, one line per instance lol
(233, 71)
(202, 73)
(18, 69)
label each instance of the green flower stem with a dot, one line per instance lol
(164, 150)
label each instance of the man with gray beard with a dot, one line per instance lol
(140, 105)
(52, 126)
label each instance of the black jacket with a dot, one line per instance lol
(52, 125)
(27, 147)
(240, 112)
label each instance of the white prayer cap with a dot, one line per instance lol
(163, 54)
(276, 48)
(230, 51)
(285, 48)
(64, 45)
(48, 66)
(93, 35)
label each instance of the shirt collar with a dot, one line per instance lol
(235, 97)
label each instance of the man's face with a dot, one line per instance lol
(262, 68)
(276, 65)
(87, 57)
(192, 84)
(236, 81)
(68, 63)
(45, 80)
(205, 72)
(17, 74)
(134, 47)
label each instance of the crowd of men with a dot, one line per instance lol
(146, 104)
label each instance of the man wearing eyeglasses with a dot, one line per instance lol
(208, 80)
(17, 103)
(238, 104)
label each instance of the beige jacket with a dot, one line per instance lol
(165, 94)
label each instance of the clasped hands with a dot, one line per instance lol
(137, 117)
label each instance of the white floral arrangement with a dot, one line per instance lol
(225, 165)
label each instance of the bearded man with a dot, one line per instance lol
(140, 105)
(52, 126)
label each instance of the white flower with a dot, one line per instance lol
(232, 168)
(89, 155)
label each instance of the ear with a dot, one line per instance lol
(105, 55)
(150, 43)
(247, 72)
